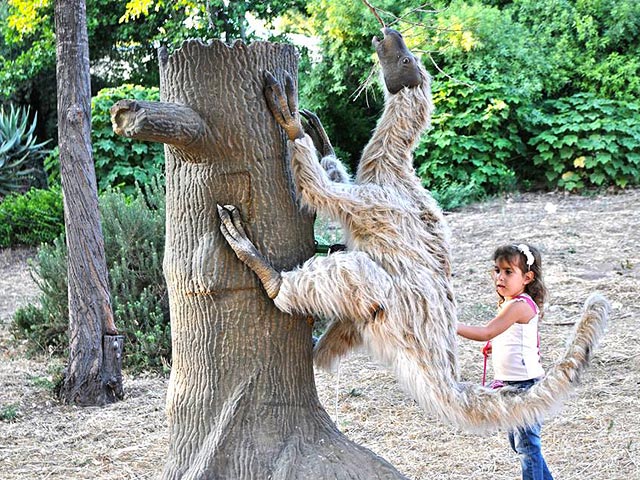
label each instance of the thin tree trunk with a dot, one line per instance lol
(87, 381)
(242, 402)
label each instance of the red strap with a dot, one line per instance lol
(485, 352)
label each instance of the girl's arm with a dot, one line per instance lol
(515, 312)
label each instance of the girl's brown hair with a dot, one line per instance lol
(515, 256)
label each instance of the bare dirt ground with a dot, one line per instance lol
(588, 245)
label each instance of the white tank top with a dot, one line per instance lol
(516, 352)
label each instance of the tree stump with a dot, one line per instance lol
(112, 351)
(242, 402)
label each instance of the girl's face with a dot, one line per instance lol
(509, 279)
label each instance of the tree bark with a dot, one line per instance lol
(90, 313)
(242, 402)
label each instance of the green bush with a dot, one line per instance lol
(474, 140)
(20, 155)
(51, 164)
(591, 46)
(483, 45)
(31, 219)
(585, 141)
(122, 162)
(455, 195)
(133, 228)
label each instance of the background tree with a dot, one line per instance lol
(123, 36)
(95, 351)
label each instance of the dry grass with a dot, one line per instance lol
(588, 244)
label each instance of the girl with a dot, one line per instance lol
(517, 275)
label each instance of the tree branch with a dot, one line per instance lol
(163, 122)
(375, 12)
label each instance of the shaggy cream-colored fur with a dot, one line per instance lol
(391, 291)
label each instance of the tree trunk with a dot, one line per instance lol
(242, 402)
(88, 381)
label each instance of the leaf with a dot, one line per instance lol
(549, 137)
(140, 148)
(629, 143)
(634, 158)
(566, 153)
(597, 178)
(570, 139)
(603, 158)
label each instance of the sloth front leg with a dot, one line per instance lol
(233, 231)
(284, 107)
(313, 183)
(343, 285)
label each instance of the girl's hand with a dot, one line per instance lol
(487, 349)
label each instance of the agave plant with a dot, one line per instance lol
(19, 150)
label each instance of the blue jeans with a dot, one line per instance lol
(526, 443)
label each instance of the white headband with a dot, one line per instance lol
(524, 248)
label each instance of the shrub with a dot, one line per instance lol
(585, 141)
(9, 413)
(474, 139)
(456, 195)
(122, 162)
(19, 152)
(133, 228)
(51, 164)
(31, 219)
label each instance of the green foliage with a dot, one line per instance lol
(483, 45)
(455, 195)
(474, 140)
(590, 45)
(27, 44)
(54, 378)
(51, 164)
(134, 245)
(327, 233)
(123, 38)
(31, 219)
(520, 52)
(585, 141)
(19, 150)
(133, 228)
(9, 412)
(524, 52)
(45, 326)
(122, 48)
(329, 86)
(122, 162)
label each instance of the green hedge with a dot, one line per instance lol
(32, 218)
(487, 140)
(122, 162)
(585, 141)
(474, 142)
